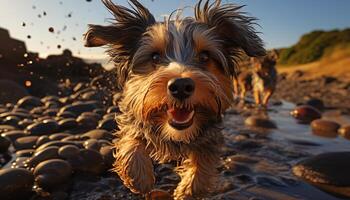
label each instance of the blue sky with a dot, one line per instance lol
(282, 21)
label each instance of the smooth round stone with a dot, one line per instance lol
(99, 111)
(29, 102)
(74, 138)
(88, 122)
(42, 155)
(66, 124)
(66, 114)
(325, 128)
(37, 110)
(107, 155)
(50, 98)
(51, 112)
(16, 184)
(52, 105)
(59, 144)
(99, 134)
(345, 132)
(14, 135)
(328, 171)
(52, 173)
(59, 136)
(24, 123)
(108, 124)
(20, 110)
(5, 128)
(89, 161)
(43, 128)
(79, 108)
(4, 144)
(11, 120)
(68, 151)
(42, 140)
(25, 153)
(27, 142)
(259, 122)
(113, 109)
(305, 114)
(109, 116)
(92, 144)
(316, 103)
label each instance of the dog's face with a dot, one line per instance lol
(265, 64)
(177, 74)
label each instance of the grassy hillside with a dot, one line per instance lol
(313, 46)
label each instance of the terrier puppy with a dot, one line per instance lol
(264, 77)
(261, 79)
(176, 77)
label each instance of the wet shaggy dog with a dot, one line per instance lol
(176, 77)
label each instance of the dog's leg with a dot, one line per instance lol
(134, 166)
(198, 174)
(235, 87)
(243, 93)
(257, 97)
(267, 97)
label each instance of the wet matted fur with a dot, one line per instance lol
(147, 55)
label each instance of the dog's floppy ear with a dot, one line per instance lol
(232, 25)
(126, 29)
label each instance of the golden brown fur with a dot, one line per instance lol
(148, 55)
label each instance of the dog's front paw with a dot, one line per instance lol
(136, 171)
(181, 193)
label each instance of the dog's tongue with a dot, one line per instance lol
(179, 115)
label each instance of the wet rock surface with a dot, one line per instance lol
(328, 171)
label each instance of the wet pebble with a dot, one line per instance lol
(42, 155)
(92, 144)
(29, 102)
(67, 124)
(27, 142)
(59, 144)
(328, 171)
(305, 114)
(25, 153)
(316, 103)
(59, 136)
(88, 122)
(15, 184)
(52, 173)
(255, 121)
(99, 134)
(13, 135)
(89, 161)
(345, 132)
(42, 140)
(42, 128)
(107, 155)
(325, 128)
(108, 124)
(68, 151)
(79, 108)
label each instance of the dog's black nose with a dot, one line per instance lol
(181, 88)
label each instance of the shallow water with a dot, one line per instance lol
(256, 163)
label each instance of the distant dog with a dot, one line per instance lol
(261, 79)
(176, 77)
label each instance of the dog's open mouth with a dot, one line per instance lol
(180, 118)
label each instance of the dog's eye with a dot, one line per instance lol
(203, 56)
(156, 58)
